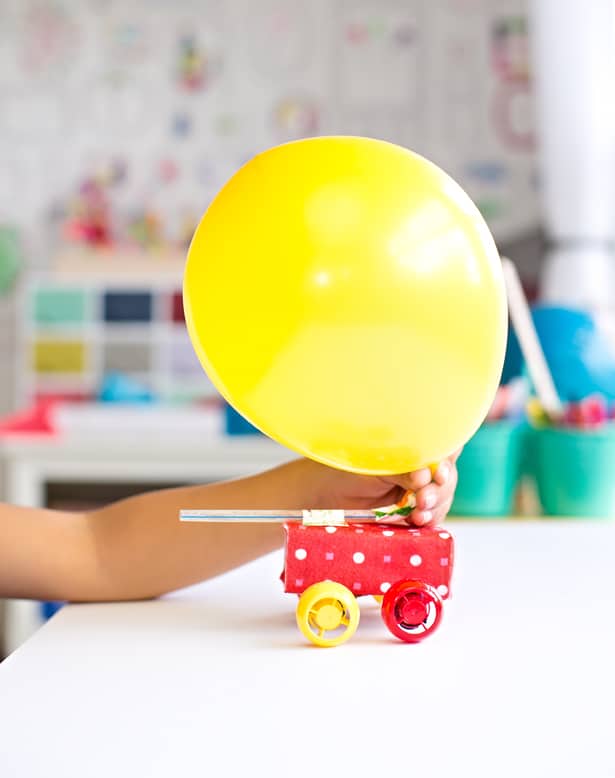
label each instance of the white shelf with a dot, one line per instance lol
(133, 267)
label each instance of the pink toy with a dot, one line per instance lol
(32, 421)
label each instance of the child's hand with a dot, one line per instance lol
(338, 489)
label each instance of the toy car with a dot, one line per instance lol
(407, 569)
(332, 557)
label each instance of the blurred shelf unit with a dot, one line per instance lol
(97, 314)
(129, 266)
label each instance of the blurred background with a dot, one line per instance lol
(119, 121)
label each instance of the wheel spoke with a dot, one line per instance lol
(327, 613)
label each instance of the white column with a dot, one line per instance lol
(24, 486)
(573, 43)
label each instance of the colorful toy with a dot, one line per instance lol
(590, 413)
(35, 420)
(91, 219)
(120, 388)
(192, 65)
(329, 563)
(362, 282)
(145, 229)
(330, 566)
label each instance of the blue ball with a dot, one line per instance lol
(579, 352)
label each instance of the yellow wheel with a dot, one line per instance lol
(327, 613)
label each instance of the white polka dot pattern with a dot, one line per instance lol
(367, 558)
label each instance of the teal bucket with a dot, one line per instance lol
(575, 471)
(489, 468)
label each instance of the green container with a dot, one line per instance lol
(575, 471)
(489, 469)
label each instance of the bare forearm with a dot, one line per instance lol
(39, 549)
(137, 548)
(141, 549)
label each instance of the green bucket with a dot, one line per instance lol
(489, 468)
(575, 471)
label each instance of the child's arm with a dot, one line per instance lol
(137, 548)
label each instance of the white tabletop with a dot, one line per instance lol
(217, 680)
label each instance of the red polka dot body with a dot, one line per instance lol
(409, 568)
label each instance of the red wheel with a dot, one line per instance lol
(411, 610)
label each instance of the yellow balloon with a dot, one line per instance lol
(346, 296)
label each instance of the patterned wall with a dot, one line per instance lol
(165, 100)
(159, 102)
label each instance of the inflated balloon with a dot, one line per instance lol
(345, 295)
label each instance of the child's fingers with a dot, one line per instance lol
(402, 521)
(433, 496)
(428, 497)
(416, 519)
(423, 518)
(418, 479)
(440, 515)
(442, 473)
(446, 472)
(412, 481)
(434, 500)
(445, 510)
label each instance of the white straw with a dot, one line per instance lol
(530, 345)
(264, 516)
